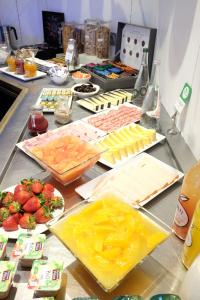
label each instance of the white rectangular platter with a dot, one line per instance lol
(114, 118)
(133, 180)
(22, 77)
(159, 138)
(49, 97)
(80, 129)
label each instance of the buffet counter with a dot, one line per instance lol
(160, 272)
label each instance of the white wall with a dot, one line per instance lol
(179, 43)
(178, 40)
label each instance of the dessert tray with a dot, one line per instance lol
(22, 77)
(141, 179)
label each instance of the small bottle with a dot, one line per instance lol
(151, 104)
(191, 248)
(71, 56)
(37, 123)
(30, 68)
(142, 80)
(188, 198)
(19, 65)
(11, 61)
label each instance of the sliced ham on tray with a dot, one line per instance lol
(115, 118)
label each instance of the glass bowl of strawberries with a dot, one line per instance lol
(28, 206)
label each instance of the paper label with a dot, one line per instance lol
(69, 56)
(181, 218)
(184, 97)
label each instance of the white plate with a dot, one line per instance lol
(22, 77)
(159, 138)
(113, 108)
(45, 109)
(85, 95)
(86, 190)
(39, 227)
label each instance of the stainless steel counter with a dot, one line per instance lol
(162, 271)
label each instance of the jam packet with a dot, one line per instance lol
(7, 271)
(28, 248)
(46, 277)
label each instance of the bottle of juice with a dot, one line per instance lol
(11, 61)
(188, 198)
(30, 69)
(191, 247)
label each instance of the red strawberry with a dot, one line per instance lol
(43, 215)
(36, 186)
(56, 202)
(33, 204)
(7, 198)
(4, 213)
(14, 207)
(20, 187)
(10, 224)
(22, 196)
(17, 217)
(27, 221)
(48, 187)
(47, 195)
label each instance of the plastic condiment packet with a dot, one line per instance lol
(46, 275)
(7, 271)
(29, 246)
(3, 243)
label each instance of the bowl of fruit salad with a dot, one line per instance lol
(66, 157)
(29, 205)
(108, 236)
